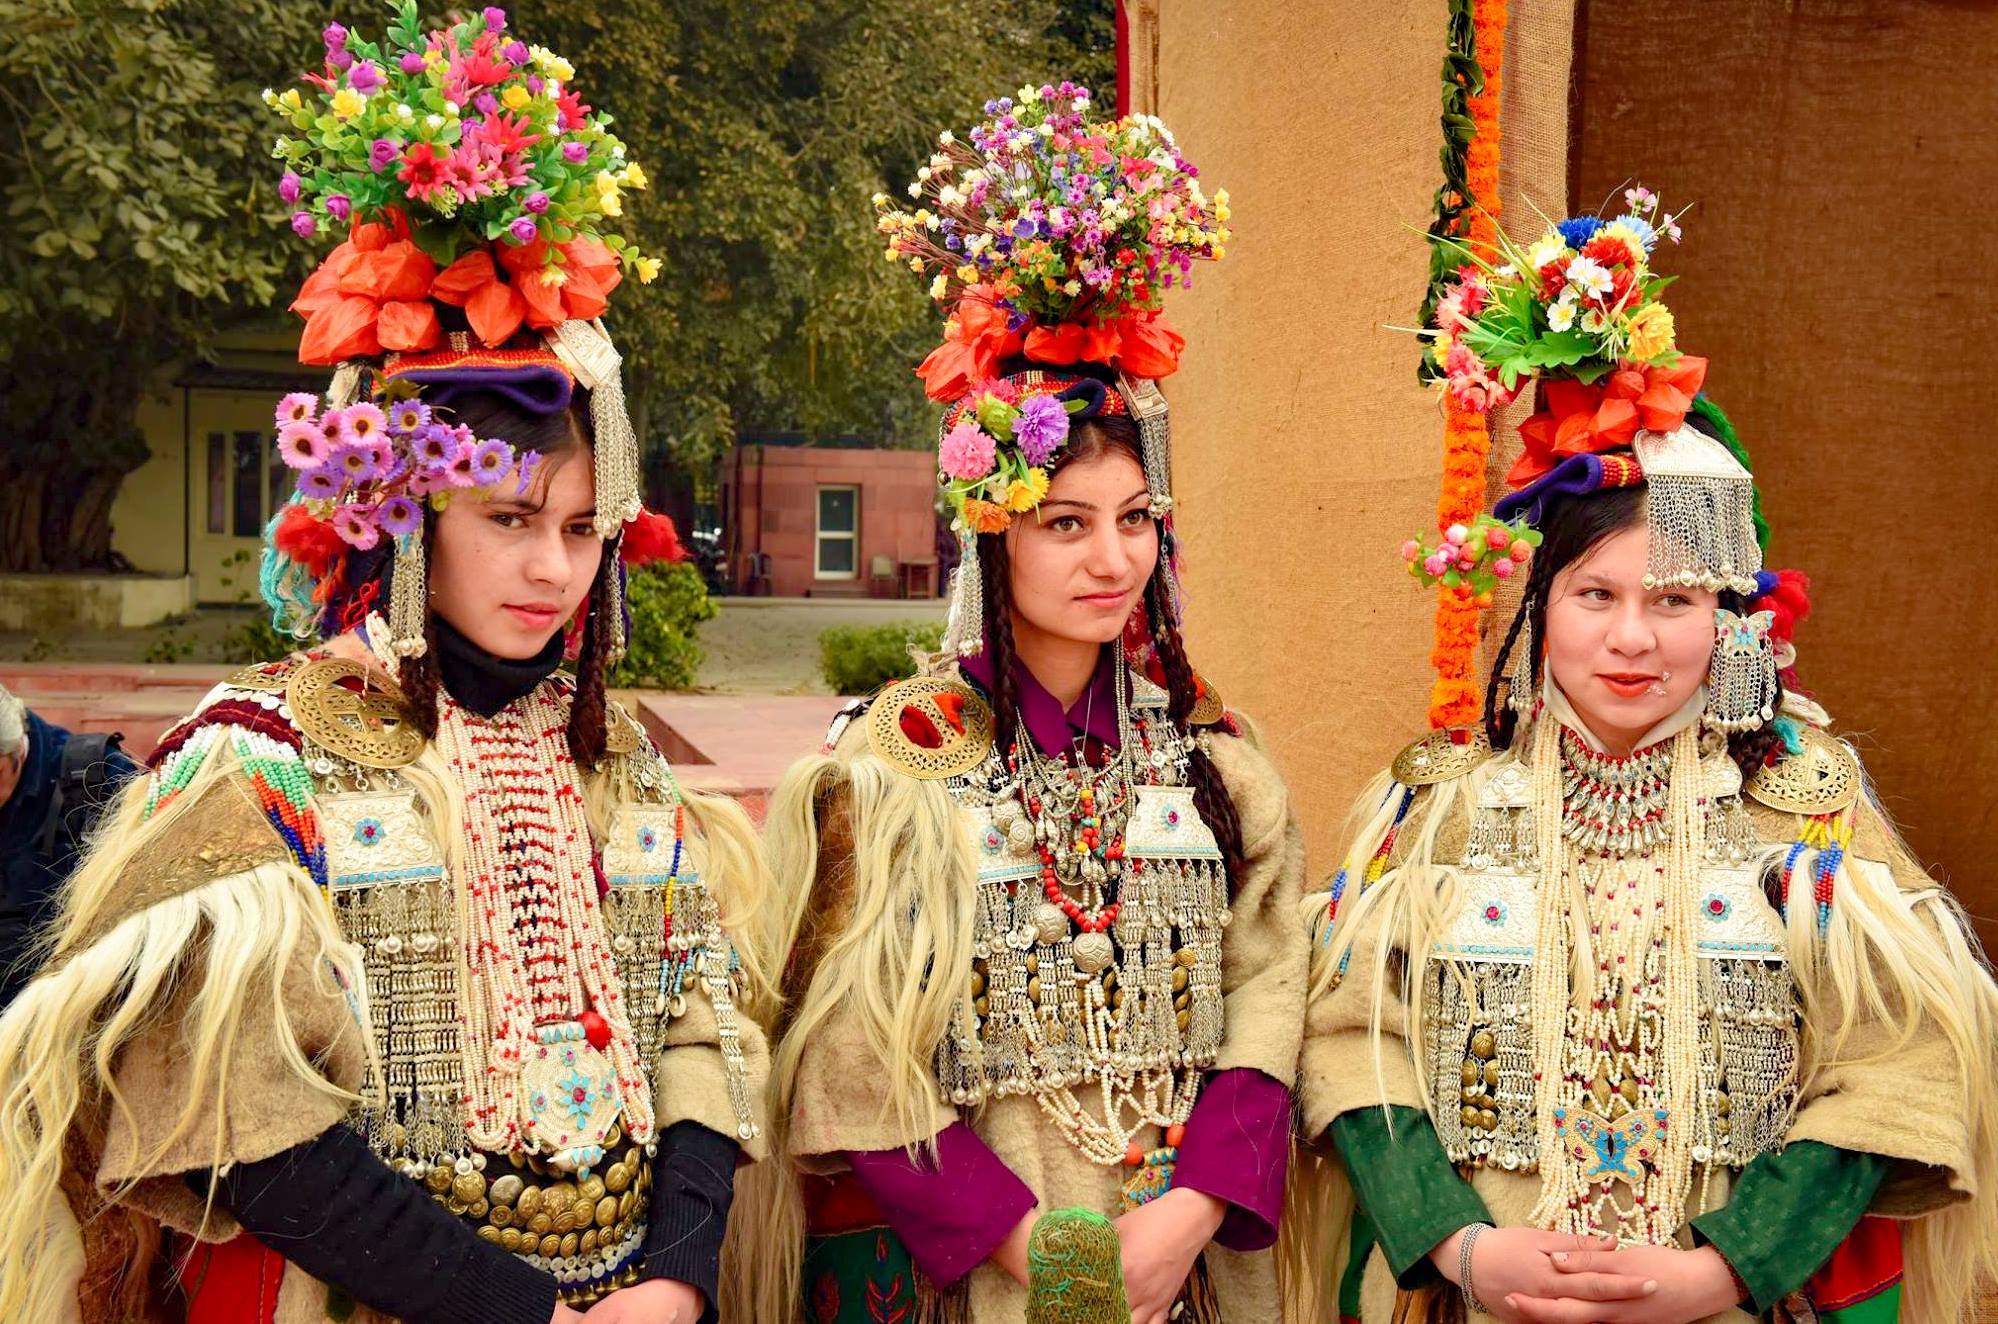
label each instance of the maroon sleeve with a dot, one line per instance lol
(1237, 1149)
(951, 1212)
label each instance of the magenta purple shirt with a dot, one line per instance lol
(952, 1213)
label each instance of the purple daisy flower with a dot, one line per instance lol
(1040, 429)
(321, 484)
(356, 464)
(399, 515)
(302, 446)
(409, 416)
(528, 463)
(363, 424)
(460, 470)
(491, 460)
(436, 447)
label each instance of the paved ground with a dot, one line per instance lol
(755, 646)
(771, 645)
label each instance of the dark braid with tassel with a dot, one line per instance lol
(587, 713)
(995, 568)
(1210, 792)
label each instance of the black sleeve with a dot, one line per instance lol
(693, 1183)
(334, 1209)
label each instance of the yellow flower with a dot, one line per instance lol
(634, 176)
(1026, 493)
(515, 97)
(1439, 349)
(648, 270)
(290, 100)
(612, 205)
(939, 287)
(348, 103)
(1651, 331)
(606, 182)
(916, 265)
(968, 274)
(889, 254)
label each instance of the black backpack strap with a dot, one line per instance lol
(80, 784)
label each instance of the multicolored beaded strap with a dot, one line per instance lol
(270, 762)
(1376, 864)
(1829, 835)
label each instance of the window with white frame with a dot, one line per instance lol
(838, 536)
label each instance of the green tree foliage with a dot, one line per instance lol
(140, 212)
(765, 128)
(668, 604)
(137, 209)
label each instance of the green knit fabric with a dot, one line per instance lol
(1075, 1273)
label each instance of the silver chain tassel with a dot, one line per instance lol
(409, 596)
(1520, 691)
(964, 623)
(586, 348)
(1741, 678)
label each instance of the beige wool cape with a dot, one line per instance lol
(293, 1050)
(1884, 1096)
(840, 1102)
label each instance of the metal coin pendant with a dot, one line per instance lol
(1092, 952)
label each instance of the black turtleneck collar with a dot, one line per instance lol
(484, 683)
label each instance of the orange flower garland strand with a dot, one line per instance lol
(1467, 441)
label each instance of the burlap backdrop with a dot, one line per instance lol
(1306, 451)
(1838, 270)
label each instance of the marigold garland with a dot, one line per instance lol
(1467, 440)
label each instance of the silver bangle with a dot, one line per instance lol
(1471, 1233)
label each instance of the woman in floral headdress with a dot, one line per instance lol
(401, 988)
(1037, 947)
(1631, 1005)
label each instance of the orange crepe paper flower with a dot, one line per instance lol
(368, 296)
(498, 305)
(985, 517)
(1577, 419)
(979, 337)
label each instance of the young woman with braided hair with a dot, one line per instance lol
(1007, 885)
(1630, 1006)
(402, 989)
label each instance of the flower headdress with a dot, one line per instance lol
(1578, 313)
(476, 186)
(1052, 239)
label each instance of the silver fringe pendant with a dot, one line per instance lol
(586, 349)
(1520, 691)
(1148, 410)
(409, 596)
(964, 622)
(1741, 678)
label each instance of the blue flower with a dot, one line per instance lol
(369, 832)
(1646, 232)
(1716, 907)
(993, 841)
(577, 1093)
(648, 839)
(1578, 230)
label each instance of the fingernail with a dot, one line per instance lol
(1560, 1257)
(1512, 1303)
(1650, 1286)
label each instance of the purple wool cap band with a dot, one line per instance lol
(1578, 475)
(538, 390)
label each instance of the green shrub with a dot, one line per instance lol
(860, 659)
(668, 603)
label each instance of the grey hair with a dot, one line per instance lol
(13, 724)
